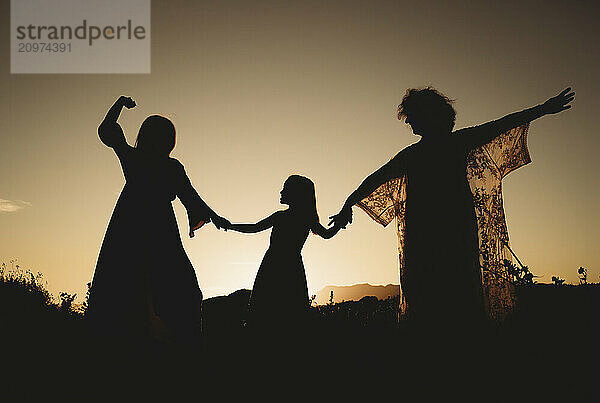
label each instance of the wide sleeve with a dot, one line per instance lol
(198, 211)
(386, 202)
(500, 156)
(380, 205)
(477, 136)
(509, 150)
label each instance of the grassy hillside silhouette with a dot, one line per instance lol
(545, 347)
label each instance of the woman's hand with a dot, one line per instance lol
(127, 102)
(109, 130)
(221, 222)
(558, 103)
(341, 219)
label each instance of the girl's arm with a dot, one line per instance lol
(218, 221)
(262, 225)
(325, 233)
(479, 135)
(110, 131)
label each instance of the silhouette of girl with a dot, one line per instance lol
(144, 280)
(440, 272)
(280, 295)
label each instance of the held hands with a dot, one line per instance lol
(337, 227)
(341, 219)
(559, 103)
(220, 222)
(127, 102)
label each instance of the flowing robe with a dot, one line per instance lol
(436, 235)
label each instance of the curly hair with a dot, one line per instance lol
(428, 103)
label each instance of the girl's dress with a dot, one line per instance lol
(280, 294)
(143, 275)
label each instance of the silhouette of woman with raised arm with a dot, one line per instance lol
(440, 265)
(144, 281)
(279, 296)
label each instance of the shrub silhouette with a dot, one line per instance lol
(22, 292)
(582, 275)
(521, 274)
(24, 297)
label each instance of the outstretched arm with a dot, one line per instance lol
(325, 233)
(262, 225)
(218, 221)
(110, 131)
(479, 135)
(387, 172)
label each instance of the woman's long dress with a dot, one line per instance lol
(143, 273)
(280, 295)
(443, 277)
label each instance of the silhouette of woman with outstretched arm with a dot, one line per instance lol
(280, 295)
(441, 277)
(144, 281)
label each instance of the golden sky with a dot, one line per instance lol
(260, 90)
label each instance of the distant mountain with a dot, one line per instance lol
(356, 292)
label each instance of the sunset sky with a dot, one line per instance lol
(264, 89)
